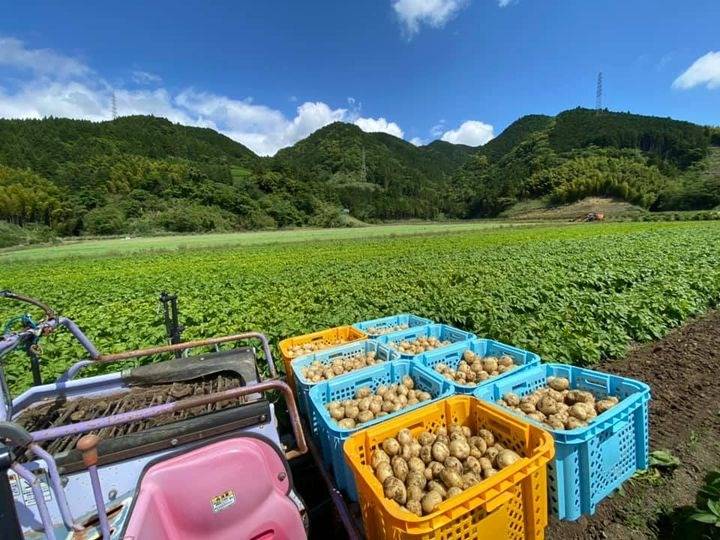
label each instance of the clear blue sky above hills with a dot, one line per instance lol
(268, 73)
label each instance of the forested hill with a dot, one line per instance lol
(657, 163)
(375, 175)
(46, 145)
(140, 174)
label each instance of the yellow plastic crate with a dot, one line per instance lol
(339, 335)
(510, 504)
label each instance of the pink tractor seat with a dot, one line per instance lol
(234, 489)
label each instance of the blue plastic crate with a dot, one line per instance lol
(592, 461)
(326, 356)
(382, 324)
(440, 331)
(452, 355)
(332, 437)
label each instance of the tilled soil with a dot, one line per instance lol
(682, 371)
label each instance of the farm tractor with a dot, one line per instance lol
(189, 447)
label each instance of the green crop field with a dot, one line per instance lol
(574, 294)
(118, 246)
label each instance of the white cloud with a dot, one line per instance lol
(434, 13)
(145, 77)
(505, 3)
(470, 132)
(417, 141)
(67, 88)
(438, 129)
(13, 53)
(704, 71)
(371, 125)
(262, 129)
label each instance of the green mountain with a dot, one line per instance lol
(374, 175)
(141, 174)
(645, 160)
(46, 145)
(514, 134)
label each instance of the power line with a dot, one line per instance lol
(599, 93)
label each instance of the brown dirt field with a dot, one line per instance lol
(681, 370)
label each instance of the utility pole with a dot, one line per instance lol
(114, 106)
(599, 93)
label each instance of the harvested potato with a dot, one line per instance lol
(395, 489)
(435, 469)
(487, 473)
(559, 407)
(399, 467)
(434, 485)
(415, 493)
(547, 405)
(418, 346)
(527, 407)
(473, 369)
(378, 456)
(472, 465)
(454, 464)
(459, 448)
(443, 467)
(383, 471)
(391, 446)
(605, 405)
(318, 371)
(440, 451)
(426, 438)
(415, 507)
(415, 464)
(404, 436)
(381, 330)
(431, 501)
(579, 411)
(368, 405)
(309, 348)
(469, 479)
(487, 436)
(558, 383)
(505, 458)
(416, 479)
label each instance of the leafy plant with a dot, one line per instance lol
(571, 294)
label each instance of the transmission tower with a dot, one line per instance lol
(114, 106)
(599, 93)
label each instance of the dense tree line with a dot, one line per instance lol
(142, 174)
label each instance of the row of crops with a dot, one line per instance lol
(572, 294)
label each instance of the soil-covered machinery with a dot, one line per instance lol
(184, 448)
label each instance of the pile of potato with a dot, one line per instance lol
(380, 330)
(314, 346)
(368, 405)
(473, 369)
(559, 407)
(317, 371)
(421, 472)
(419, 345)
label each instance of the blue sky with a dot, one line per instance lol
(268, 73)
